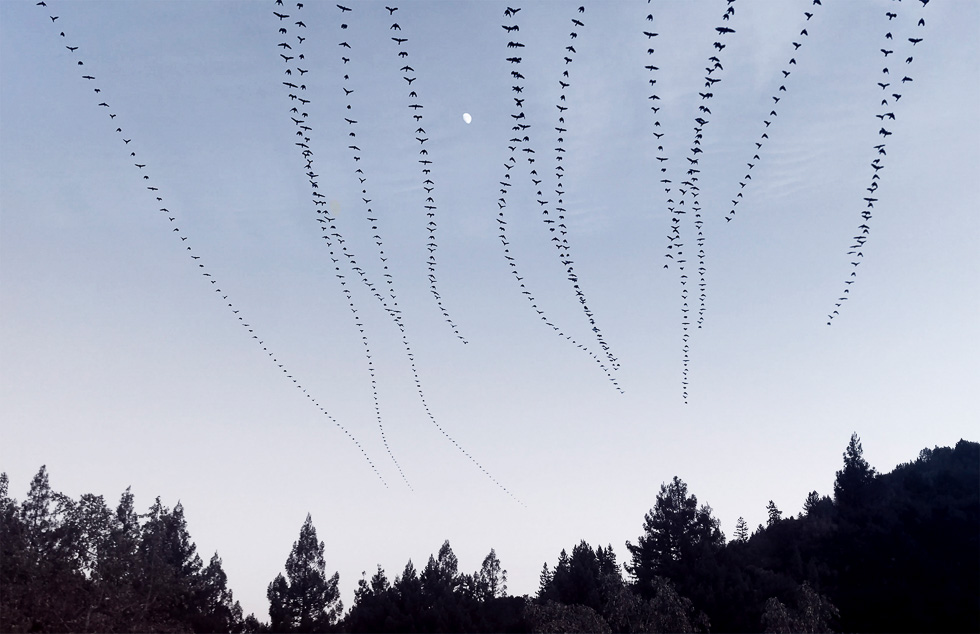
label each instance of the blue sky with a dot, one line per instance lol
(122, 366)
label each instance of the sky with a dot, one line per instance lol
(209, 353)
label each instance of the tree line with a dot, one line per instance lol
(895, 552)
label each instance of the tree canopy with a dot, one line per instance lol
(896, 552)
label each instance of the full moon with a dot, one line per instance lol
(466, 117)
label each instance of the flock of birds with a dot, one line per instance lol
(521, 141)
(184, 241)
(681, 197)
(890, 86)
(689, 189)
(770, 118)
(340, 253)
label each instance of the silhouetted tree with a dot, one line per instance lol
(677, 535)
(852, 484)
(774, 513)
(75, 565)
(15, 574)
(43, 576)
(811, 503)
(491, 579)
(217, 611)
(741, 530)
(374, 608)
(308, 601)
(169, 569)
(546, 590)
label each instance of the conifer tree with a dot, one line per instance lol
(169, 568)
(491, 579)
(676, 533)
(774, 513)
(741, 530)
(852, 483)
(308, 601)
(216, 609)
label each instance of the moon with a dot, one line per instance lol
(467, 118)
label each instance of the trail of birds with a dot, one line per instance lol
(658, 134)
(196, 259)
(563, 248)
(392, 310)
(771, 117)
(428, 185)
(359, 173)
(521, 127)
(888, 82)
(291, 53)
(691, 188)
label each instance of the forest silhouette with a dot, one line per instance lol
(895, 552)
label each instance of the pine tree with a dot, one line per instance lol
(14, 571)
(774, 513)
(169, 569)
(544, 584)
(308, 601)
(851, 487)
(741, 530)
(491, 579)
(439, 577)
(374, 608)
(676, 533)
(52, 583)
(216, 610)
